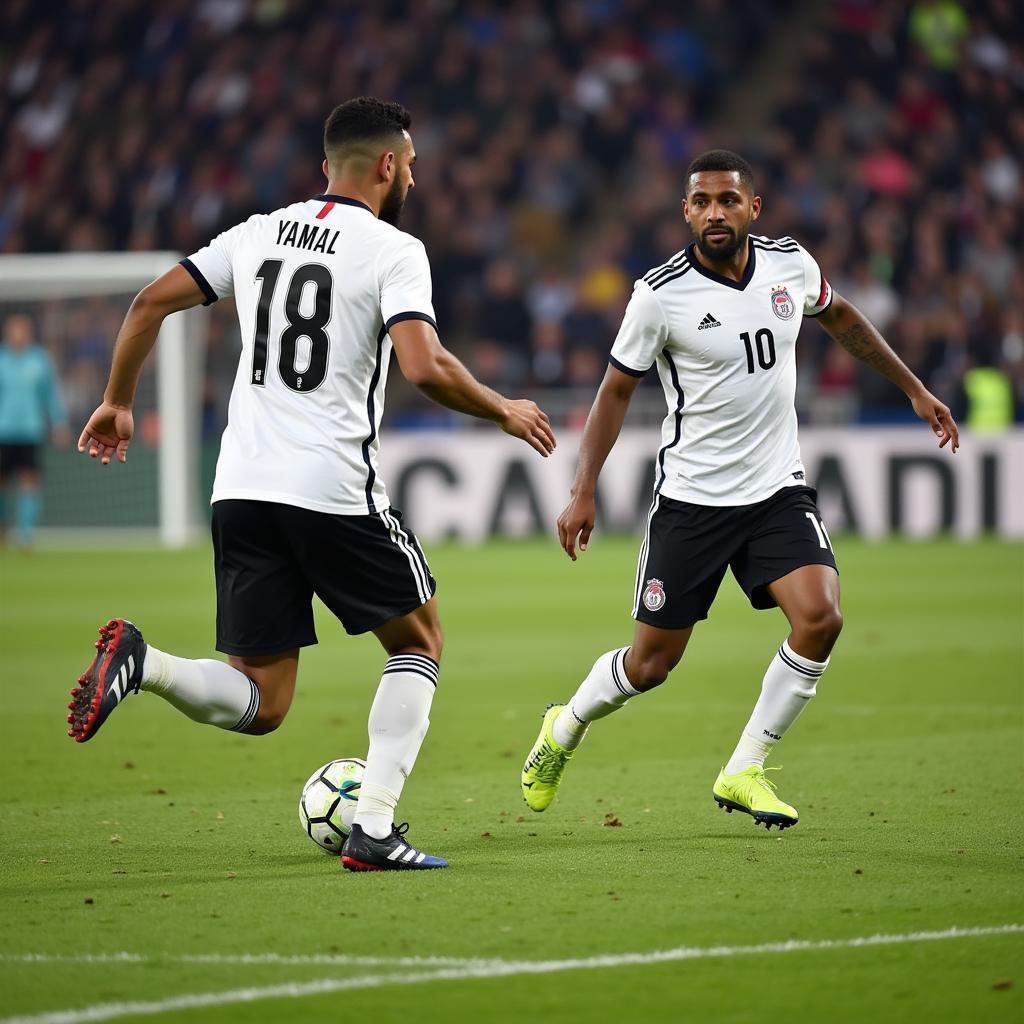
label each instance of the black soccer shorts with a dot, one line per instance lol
(270, 559)
(18, 457)
(687, 549)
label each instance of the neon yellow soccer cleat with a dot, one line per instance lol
(545, 765)
(749, 791)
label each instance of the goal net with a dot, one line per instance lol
(75, 303)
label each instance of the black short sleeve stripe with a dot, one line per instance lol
(667, 268)
(197, 276)
(671, 277)
(401, 317)
(627, 369)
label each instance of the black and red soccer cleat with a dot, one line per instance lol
(115, 672)
(364, 853)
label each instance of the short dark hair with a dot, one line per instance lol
(362, 119)
(721, 160)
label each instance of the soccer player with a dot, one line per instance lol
(30, 407)
(720, 320)
(325, 290)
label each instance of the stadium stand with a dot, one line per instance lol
(552, 139)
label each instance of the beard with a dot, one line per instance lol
(727, 248)
(391, 208)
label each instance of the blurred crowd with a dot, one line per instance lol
(551, 138)
(901, 168)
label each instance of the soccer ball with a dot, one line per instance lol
(328, 802)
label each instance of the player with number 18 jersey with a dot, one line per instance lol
(325, 290)
(317, 286)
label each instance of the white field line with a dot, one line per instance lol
(481, 970)
(247, 959)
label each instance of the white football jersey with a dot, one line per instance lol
(317, 286)
(726, 354)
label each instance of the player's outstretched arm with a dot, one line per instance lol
(848, 325)
(604, 423)
(427, 364)
(110, 427)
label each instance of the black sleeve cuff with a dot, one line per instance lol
(400, 317)
(825, 309)
(627, 369)
(204, 285)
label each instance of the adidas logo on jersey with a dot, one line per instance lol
(708, 321)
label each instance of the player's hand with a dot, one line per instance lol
(108, 431)
(577, 520)
(938, 417)
(526, 420)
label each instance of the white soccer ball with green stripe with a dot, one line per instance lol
(328, 802)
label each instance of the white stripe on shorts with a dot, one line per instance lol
(641, 562)
(419, 570)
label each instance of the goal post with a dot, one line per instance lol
(53, 289)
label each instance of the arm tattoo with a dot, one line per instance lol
(859, 337)
(866, 346)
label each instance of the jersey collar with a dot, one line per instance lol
(344, 200)
(718, 278)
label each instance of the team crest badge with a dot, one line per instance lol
(782, 304)
(654, 595)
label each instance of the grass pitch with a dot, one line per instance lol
(179, 845)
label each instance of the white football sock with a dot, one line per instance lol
(398, 722)
(788, 685)
(605, 690)
(208, 691)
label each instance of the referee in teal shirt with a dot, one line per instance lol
(30, 406)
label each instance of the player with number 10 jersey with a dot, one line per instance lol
(720, 321)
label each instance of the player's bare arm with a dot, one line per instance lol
(429, 366)
(110, 427)
(847, 325)
(599, 436)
